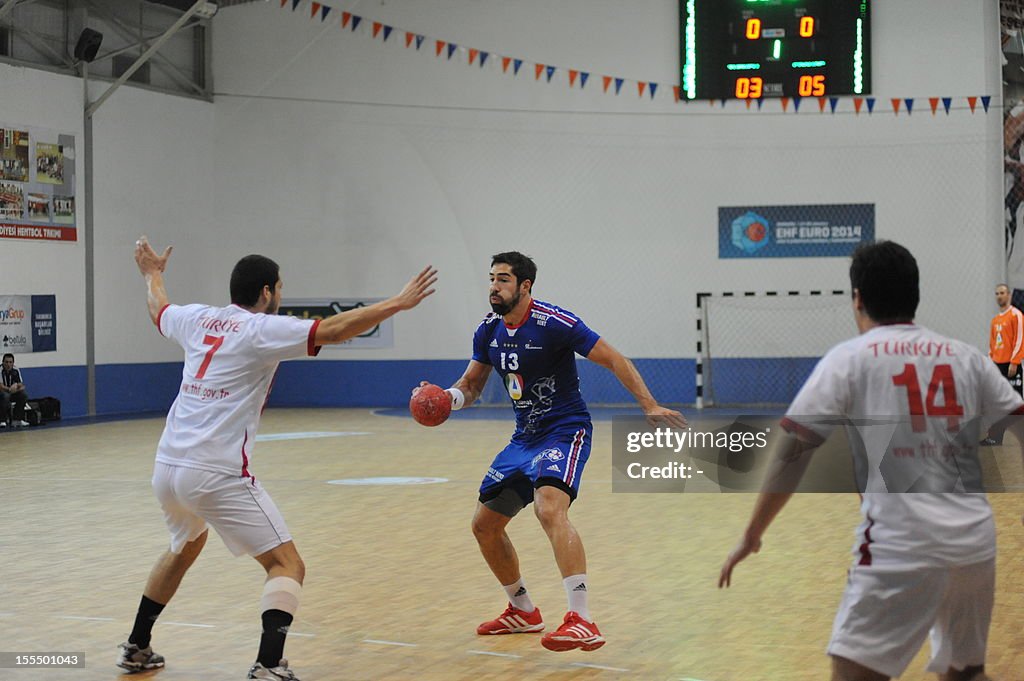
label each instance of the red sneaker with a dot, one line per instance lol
(513, 621)
(575, 632)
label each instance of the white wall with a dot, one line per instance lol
(353, 163)
(44, 100)
(368, 159)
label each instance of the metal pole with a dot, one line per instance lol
(90, 270)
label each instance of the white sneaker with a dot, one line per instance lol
(135, 659)
(3, 424)
(278, 673)
(21, 424)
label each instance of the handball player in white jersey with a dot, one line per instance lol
(203, 473)
(913, 403)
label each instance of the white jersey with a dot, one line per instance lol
(915, 404)
(231, 355)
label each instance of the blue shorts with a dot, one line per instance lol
(556, 459)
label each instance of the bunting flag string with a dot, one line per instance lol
(379, 31)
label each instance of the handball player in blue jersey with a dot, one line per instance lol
(533, 346)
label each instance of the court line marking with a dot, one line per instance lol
(74, 617)
(390, 643)
(597, 666)
(189, 624)
(295, 633)
(487, 652)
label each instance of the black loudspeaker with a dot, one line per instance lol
(88, 45)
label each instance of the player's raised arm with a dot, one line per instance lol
(620, 365)
(351, 323)
(152, 268)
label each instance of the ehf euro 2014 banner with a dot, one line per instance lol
(380, 336)
(28, 323)
(813, 231)
(37, 184)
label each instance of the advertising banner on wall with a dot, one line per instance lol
(380, 336)
(37, 184)
(810, 231)
(28, 323)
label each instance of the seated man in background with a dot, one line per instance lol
(12, 391)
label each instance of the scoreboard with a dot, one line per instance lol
(749, 49)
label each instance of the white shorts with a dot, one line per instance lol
(241, 511)
(885, 615)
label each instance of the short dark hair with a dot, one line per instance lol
(6, 355)
(522, 266)
(250, 275)
(886, 275)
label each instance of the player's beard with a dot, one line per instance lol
(504, 308)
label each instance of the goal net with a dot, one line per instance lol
(755, 349)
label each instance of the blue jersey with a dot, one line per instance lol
(537, 363)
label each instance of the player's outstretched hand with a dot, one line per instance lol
(744, 548)
(147, 259)
(663, 415)
(418, 288)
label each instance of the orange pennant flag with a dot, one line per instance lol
(858, 102)
(748, 100)
(785, 103)
(345, 18)
(376, 28)
(284, 2)
(973, 102)
(895, 106)
(472, 55)
(640, 85)
(675, 92)
(539, 69)
(934, 103)
(313, 9)
(572, 76)
(505, 61)
(438, 47)
(821, 104)
(408, 38)
(607, 82)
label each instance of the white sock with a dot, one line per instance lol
(518, 596)
(576, 590)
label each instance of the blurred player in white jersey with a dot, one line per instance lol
(913, 402)
(202, 475)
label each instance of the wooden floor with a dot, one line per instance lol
(395, 584)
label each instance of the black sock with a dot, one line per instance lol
(275, 629)
(142, 632)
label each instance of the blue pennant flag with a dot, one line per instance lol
(832, 102)
(618, 85)
(946, 103)
(909, 101)
(483, 57)
(796, 103)
(419, 41)
(871, 104)
(723, 101)
(583, 79)
(551, 72)
(387, 32)
(760, 103)
(652, 87)
(516, 63)
(295, 4)
(324, 11)
(985, 101)
(355, 22)
(451, 49)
